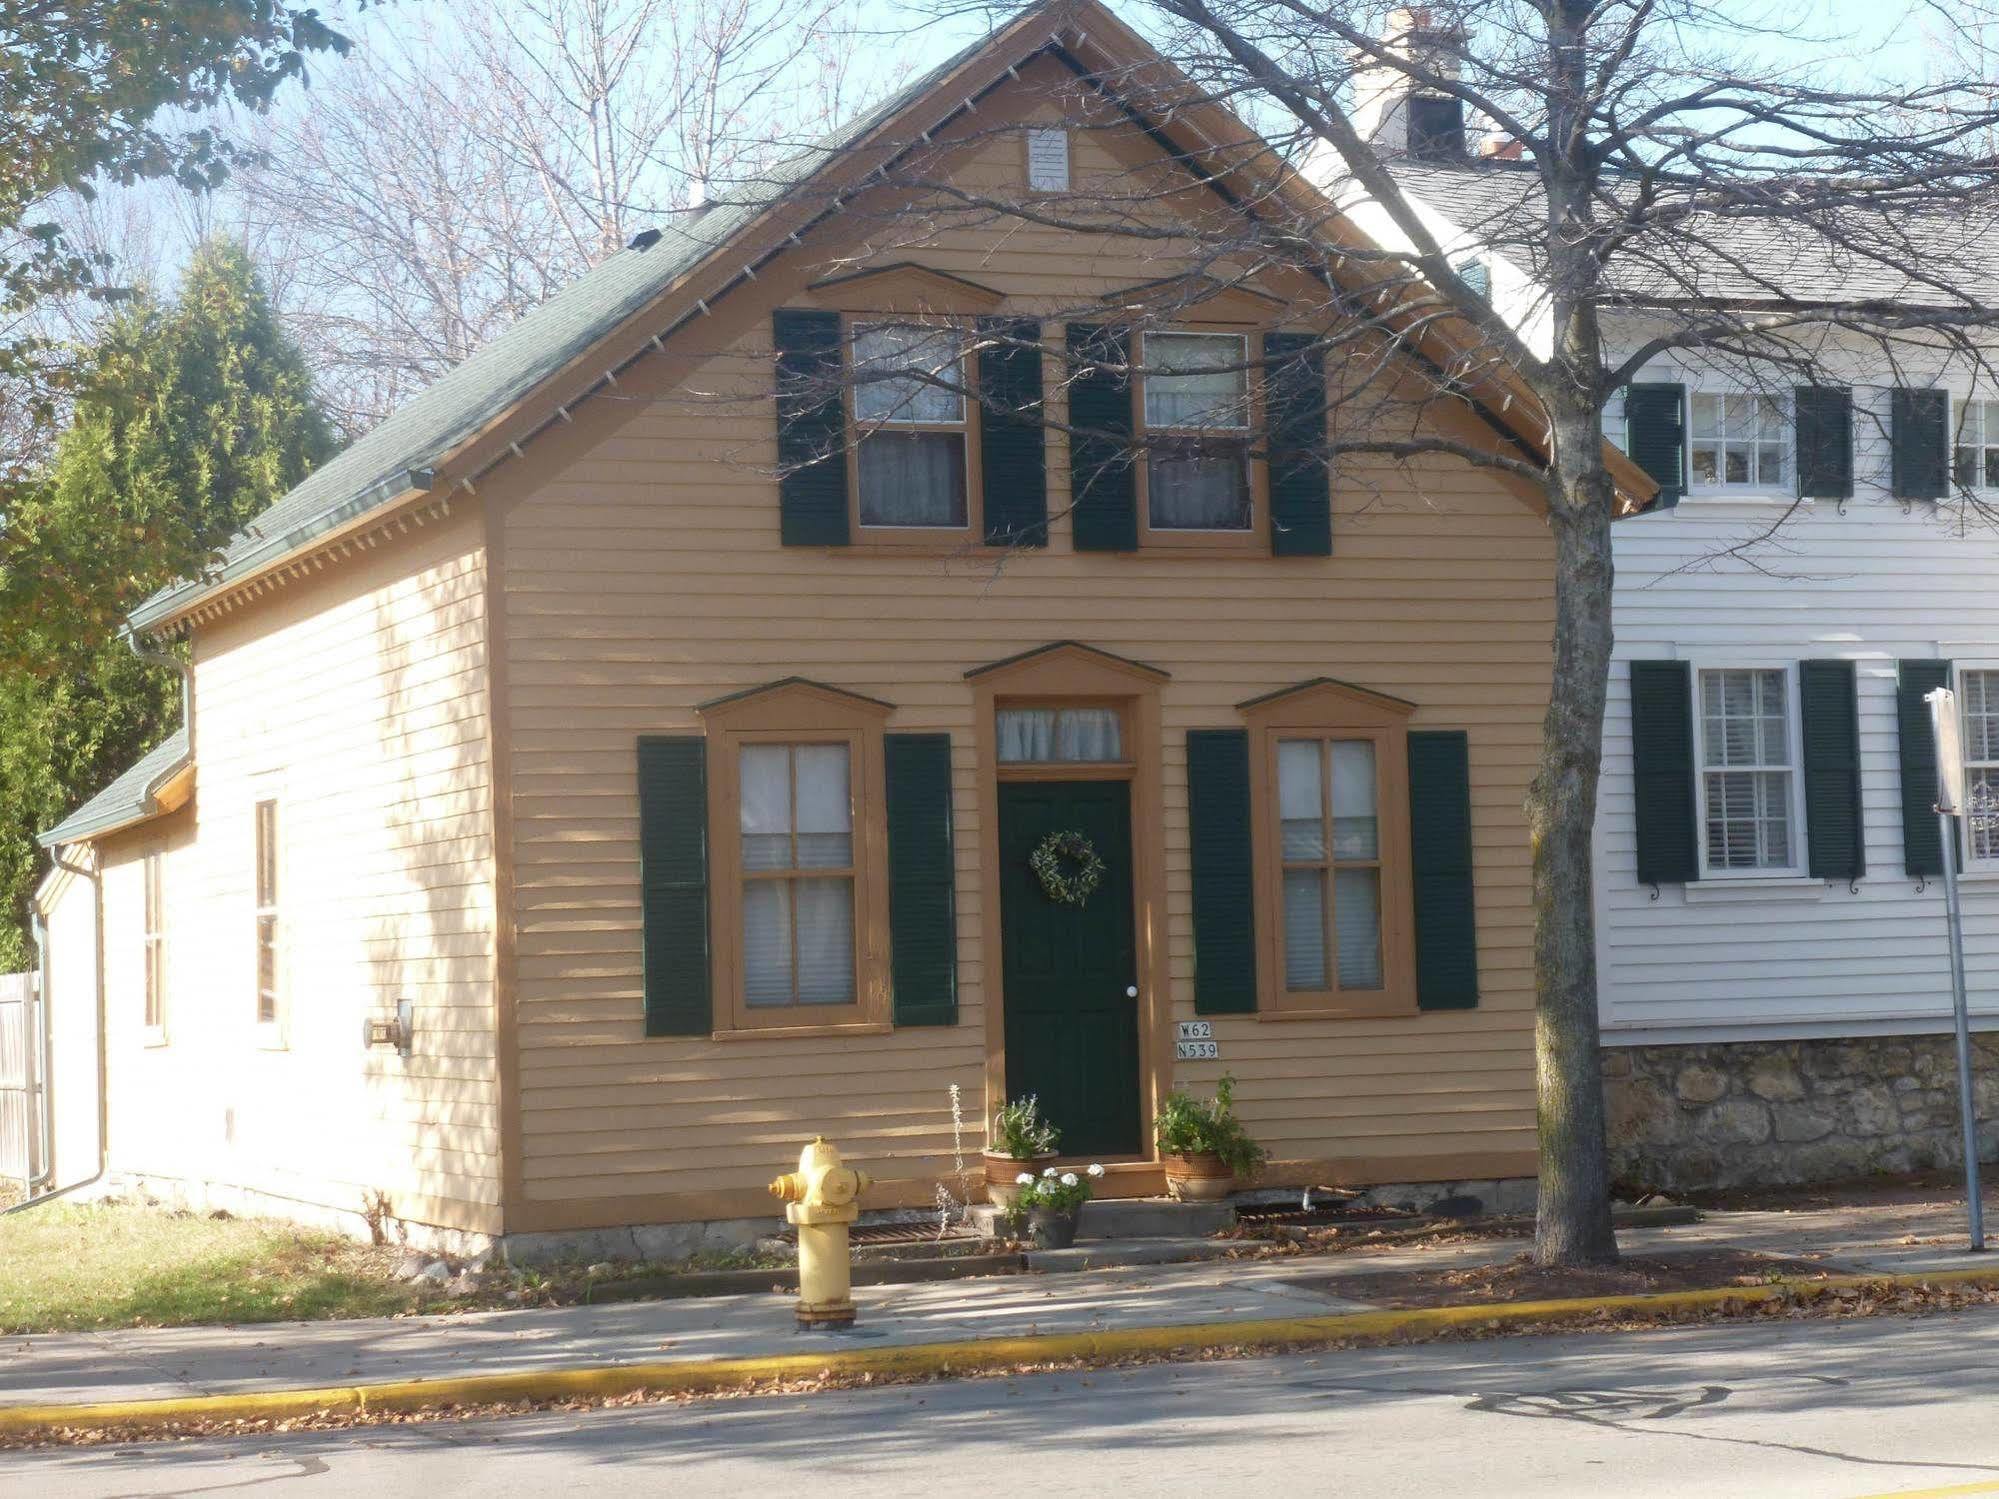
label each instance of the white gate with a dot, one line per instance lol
(18, 1115)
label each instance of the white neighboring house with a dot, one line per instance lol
(1770, 933)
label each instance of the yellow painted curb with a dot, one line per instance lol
(911, 1361)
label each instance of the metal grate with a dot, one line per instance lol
(1269, 1214)
(862, 1234)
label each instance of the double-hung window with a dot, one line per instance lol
(797, 815)
(269, 967)
(1738, 442)
(1975, 444)
(1331, 831)
(911, 417)
(1197, 410)
(154, 944)
(1750, 816)
(1978, 700)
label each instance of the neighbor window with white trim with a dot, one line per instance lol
(1737, 442)
(1750, 820)
(1197, 419)
(909, 405)
(154, 941)
(1975, 445)
(1978, 700)
(267, 912)
(797, 815)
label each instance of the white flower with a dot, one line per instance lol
(1025, 1179)
(1096, 1170)
(1051, 1171)
(1068, 1178)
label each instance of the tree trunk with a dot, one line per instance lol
(1572, 1226)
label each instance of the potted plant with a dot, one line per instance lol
(1051, 1201)
(1020, 1139)
(1204, 1146)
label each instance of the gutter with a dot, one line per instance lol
(186, 669)
(40, 1175)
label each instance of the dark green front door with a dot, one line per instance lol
(1070, 971)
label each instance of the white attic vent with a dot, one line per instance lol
(1048, 161)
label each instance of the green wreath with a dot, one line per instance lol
(1068, 867)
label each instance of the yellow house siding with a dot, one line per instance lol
(358, 700)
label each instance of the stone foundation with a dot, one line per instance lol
(1776, 1113)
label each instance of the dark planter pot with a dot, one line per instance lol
(1050, 1229)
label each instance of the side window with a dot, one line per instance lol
(269, 968)
(1751, 821)
(1196, 407)
(912, 454)
(155, 944)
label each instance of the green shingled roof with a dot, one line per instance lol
(400, 455)
(128, 799)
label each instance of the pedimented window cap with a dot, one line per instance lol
(1073, 650)
(789, 689)
(1328, 690)
(904, 286)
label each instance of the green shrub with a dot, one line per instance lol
(1020, 1132)
(1188, 1126)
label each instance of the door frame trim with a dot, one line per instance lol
(1065, 671)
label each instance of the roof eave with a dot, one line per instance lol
(79, 829)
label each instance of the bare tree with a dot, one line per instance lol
(1669, 159)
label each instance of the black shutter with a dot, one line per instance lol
(1013, 461)
(922, 899)
(673, 884)
(1219, 834)
(1301, 491)
(1919, 437)
(811, 429)
(1662, 771)
(1825, 441)
(1103, 482)
(1922, 852)
(1440, 866)
(1831, 719)
(1655, 422)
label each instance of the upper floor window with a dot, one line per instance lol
(911, 458)
(267, 912)
(1196, 405)
(154, 942)
(1975, 449)
(1737, 442)
(1750, 818)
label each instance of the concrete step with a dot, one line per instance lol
(1130, 1218)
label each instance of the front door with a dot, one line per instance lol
(1071, 971)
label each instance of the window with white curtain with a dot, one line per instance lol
(1738, 441)
(1330, 838)
(797, 816)
(1026, 736)
(910, 411)
(1975, 446)
(1197, 417)
(1978, 701)
(1748, 771)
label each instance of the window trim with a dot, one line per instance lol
(153, 945)
(270, 1033)
(1959, 401)
(1333, 710)
(1794, 730)
(1787, 430)
(1969, 863)
(1256, 536)
(852, 326)
(798, 713)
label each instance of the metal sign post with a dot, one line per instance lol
(1950, 807)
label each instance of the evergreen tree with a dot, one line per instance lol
(195, 417)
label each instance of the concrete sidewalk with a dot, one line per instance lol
(169, 1363)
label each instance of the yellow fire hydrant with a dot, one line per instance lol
(820, 1199)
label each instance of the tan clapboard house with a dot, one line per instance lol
(629, 761)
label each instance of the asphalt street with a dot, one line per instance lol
(1819, 1410)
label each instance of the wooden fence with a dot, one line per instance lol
(17, 1076)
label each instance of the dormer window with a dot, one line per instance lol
(910, 417)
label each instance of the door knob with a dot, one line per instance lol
(1131, 991)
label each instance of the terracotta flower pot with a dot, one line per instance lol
(1050, 1229)
(1001, 1188)
(1197, 1178)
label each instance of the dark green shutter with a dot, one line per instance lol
(811, 429)
(1219, 834)
(1440, 866)
(1919, 438)
(922, 898)
(1662, 771)
(1103, 483)
(673, 884)
(1301, 491)
(1922, 853)
(1013, 462)
(1825, 441)
(1656, 436)
(1831, 719)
